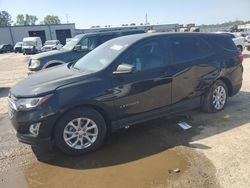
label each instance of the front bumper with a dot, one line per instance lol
(22, 120)
(34, 141)
(30, 51)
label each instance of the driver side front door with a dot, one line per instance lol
(147, 88)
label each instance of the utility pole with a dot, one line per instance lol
(146, 19)
(67, 19)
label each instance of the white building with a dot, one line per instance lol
(14, 34)
(244, 27)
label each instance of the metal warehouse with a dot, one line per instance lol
(14, 34)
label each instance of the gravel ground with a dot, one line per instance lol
(214, 153)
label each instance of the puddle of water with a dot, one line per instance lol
(145, 172)
(139, 157)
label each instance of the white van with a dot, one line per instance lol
(31, 45)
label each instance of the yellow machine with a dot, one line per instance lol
(183, 29)
(194, 29)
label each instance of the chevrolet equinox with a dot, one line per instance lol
(122, 82)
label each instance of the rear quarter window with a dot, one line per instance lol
(224, 42)
(189, 48)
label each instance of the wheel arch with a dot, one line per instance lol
(228, 84)
(92, 106)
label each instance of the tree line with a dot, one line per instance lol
(26, 19)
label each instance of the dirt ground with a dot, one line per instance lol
(213, 153)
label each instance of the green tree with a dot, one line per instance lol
(20, 19)
(26, 19)
(50, 19)
(5, 18)
(32, 19)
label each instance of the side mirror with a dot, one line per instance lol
(77, 48)
(124, 69)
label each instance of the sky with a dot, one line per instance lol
(115, 13)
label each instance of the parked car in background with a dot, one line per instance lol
(18, 47)
(248, 38)
(239, 41)
(6, 48)
(75, 49)
(31, 45)
(122, 82)
(51, 45)
(68, 39)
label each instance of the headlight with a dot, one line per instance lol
(30, 103)
(34, 63)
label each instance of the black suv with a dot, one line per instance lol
(75, 49)
(6, 48)
(122, 82)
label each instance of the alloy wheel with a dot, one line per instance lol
(219, 97)
(80, 133)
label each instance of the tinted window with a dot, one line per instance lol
(104, 38)
(189, 48)
(224, 42)
(149, 55)
(230, 35)
(88, 43)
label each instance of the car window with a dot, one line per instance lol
(147, 56)
(104, 38)
(232, 36)
(88, 43)
(224, 42)
(189, 48)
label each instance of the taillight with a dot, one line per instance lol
(240, 57)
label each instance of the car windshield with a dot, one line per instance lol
(1, 45)
(71, 44)
(50, 43)
(29, 43)
(18, 44)
(101, 57)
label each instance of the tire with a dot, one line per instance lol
(65, 124)
(209, 103)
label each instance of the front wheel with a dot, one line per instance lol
(80, 131)
(216, 98)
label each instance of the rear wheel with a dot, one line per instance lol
(216, 98)
(80, 131)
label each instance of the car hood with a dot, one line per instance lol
(49, 53)
(27, 47)
(49, 46)
(46, 81)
